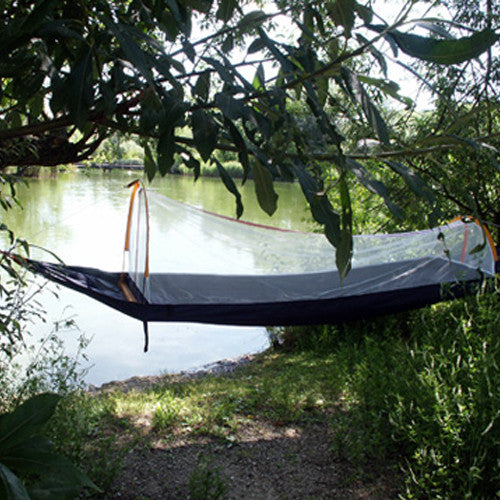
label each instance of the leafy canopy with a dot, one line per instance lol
(233, 74)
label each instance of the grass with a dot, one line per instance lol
(279, 388)
(419, 388)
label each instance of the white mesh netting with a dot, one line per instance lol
(136, 257)
(186, 239)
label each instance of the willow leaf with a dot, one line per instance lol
(445, 52)
(228, 182)
(264, 188)
(205, 133)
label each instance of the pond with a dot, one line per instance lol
(81, 217)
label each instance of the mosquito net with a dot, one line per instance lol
(212, 269)
(232, 247)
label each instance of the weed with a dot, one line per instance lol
(430, 400)
(42, 366)
(206, 482)
(166, 412)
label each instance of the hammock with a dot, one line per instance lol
(280, 277)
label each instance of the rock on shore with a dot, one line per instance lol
(223, 366)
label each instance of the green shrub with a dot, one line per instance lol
(454, 436)
(29, 466)
(233, 167)
(42, 365)
(432, 400)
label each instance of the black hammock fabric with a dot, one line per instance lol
(273, 300)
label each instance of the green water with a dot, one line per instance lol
(57, 210)
(82, 216)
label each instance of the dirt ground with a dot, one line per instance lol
(263, 461)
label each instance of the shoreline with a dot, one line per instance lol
(220, 367)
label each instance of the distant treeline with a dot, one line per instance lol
(206, 170)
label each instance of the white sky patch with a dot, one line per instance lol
(388, 11)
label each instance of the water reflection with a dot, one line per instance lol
(81, 217)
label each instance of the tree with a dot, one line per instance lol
(74, 72)
(465, 179)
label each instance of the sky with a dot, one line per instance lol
(388, 10)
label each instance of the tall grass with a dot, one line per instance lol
(424, 387)
(417, 389)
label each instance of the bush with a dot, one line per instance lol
(423, 387)
(29, 465)
(448, 416)
(42, 365)
(233, 168)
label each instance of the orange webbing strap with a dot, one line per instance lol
(490, 240)
(486, 231)
(125, 288)
(136, 185)
(146, 266)
(138, 189)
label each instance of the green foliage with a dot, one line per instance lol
(464, 179)
(422, 386)
(117, 148)
(29, 468)
(206, 482)
(445, 52)
(85, 431)
(106, 67)
(453, 437)
(42, 366)
(266, 195)
(14, 304)
(232, 167)
(167, 412)
(479, 195)
(205, 132)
